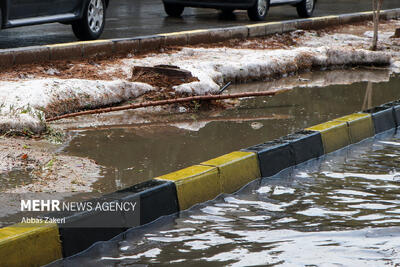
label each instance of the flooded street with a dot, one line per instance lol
(132, 152)
(340, 210)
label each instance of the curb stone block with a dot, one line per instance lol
(235, 169)
(29, 244)
(98, 48)
(305, 24)
(239, 32)
(31, 54)
(349, 18)
(150, 43)
(360, 126)
(198, 37)
(273, 28)
(217, 36)
(81, 229)
(256, 30)
(126, 46)
(395, 105)
(289, 25)
(304, 145)
(389, 14)
(6, 58)
(174, 39)
(273, 156)
(383, 118)
(322, 22)
(195, 184)
(64, 51)
(335, 135)
(156, 198)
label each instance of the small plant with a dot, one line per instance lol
(197, 105)
(50, 164)
(54, 135)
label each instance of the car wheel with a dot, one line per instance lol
(173, 10)
(91, 25)
(306, 8)
(259, 11)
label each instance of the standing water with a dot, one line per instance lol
(132, 153)
(340, 210)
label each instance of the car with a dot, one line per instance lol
(256, 9)
(87, 17)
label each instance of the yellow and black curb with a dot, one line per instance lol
(37, 244)
(112, 47)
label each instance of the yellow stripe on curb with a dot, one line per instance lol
(171, 34)
(236, 169)
(182, 32)
(195, 184)
(360, 126)
(326, 17)
(79, 43)
(29, 244)
(335, 135)
(263, 24)
(367, 12)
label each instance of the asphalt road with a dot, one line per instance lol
(129, 18)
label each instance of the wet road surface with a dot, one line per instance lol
(129, 18)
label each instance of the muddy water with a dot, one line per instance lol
(131, 152)
(340, 210)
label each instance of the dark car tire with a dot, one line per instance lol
(173, 10)
(227, 11)
(306, 8)
(259, 10)
(92, 23)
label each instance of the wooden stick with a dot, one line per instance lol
(166, 102)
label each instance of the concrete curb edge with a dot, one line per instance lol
(111, 47)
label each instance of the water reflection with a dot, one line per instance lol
(133, 152)
(340, 210)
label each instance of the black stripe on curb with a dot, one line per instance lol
(293, 149)
(395, 106)
(305, 145)
(383, 118)
(153, 199)
(157, 198)
(273, 156)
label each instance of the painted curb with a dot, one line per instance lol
(334, 134)
(360, 126)
(305, 145)
(123, 46)
(383, 118)
(29, 244)
(273, 156)
(195, 184)
(82, 229)
(235, 169)
(395, 106)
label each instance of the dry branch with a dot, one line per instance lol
(167, 102)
